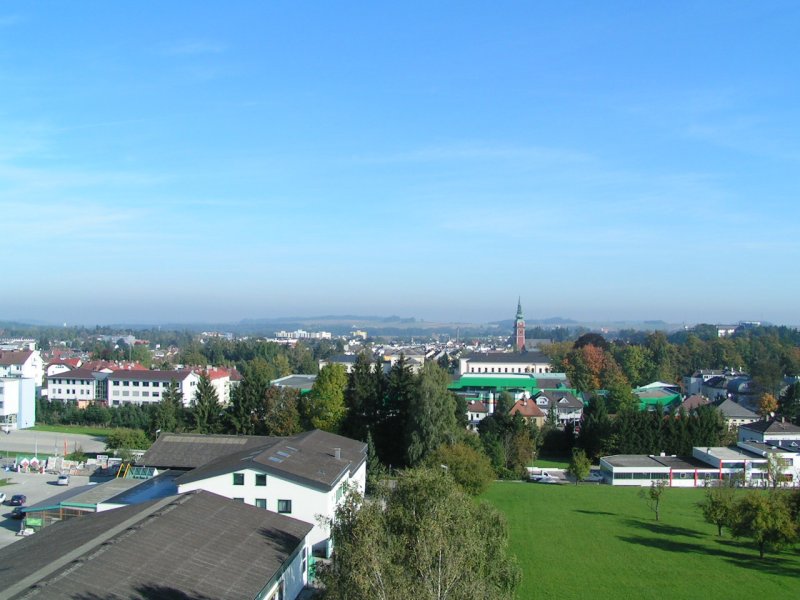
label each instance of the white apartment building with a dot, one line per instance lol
(144, 387)
(78, 385)
(22, 363)
(17, 403)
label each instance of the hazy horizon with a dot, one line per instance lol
(187, 162)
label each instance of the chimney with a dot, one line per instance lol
(337, 453)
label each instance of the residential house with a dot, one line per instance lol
(529, 411)
(569, 407)
(735, 414)
(477, 411)
(22, 363)
(691, 403)
(692, 384)
(775, 432)
(348, 361)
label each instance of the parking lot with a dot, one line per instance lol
(37, 487)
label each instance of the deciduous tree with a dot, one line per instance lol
(579, 465)
(323, 407)
(766, 519)
(717, 506)
(427, 540)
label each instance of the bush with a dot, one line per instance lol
(132, 439)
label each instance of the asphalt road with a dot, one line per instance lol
(48, 443)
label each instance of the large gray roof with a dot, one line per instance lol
(733, 410)
(772, 427)
(197, 545)
(308, 458)
(192, 450)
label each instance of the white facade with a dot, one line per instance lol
(17, 403)
(537, 364)
(291, 581)
(22, 363)
(306, 503)
(135, 387)
(72, 386)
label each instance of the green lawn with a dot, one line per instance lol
(95, 431)
(551, 463)
(598, 541)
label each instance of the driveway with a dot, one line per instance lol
(46, 442)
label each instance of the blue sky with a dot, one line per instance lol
(180, 161)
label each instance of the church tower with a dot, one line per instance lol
(519, 328)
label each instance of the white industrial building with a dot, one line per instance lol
(746, 461)
(304, 476)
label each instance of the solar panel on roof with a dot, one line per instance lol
(283, 454)
(276, 459)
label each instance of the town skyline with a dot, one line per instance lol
(181, 163)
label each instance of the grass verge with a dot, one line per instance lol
(81, 429)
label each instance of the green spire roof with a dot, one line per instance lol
(519, 309)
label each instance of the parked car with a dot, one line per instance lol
(18, 500)
(594, 477)
(546, 478)
(63, 479)
(17, 513)
(2, 498)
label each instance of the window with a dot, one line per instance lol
(156, 394)
(285, 506)
(145, 384)
(261, 503)
(135, 384)
(261, 479)
(238, 479)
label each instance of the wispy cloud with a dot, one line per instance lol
(193, 47)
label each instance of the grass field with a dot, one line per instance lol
(598, 541)
(95, 431)
(551, 463)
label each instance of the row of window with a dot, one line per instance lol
(136, 393)
(86, 391)
(505, 370)
(261, 479)
(284, 506)
(142, 383)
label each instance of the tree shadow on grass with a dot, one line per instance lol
(772, 564)
(596, 512)
(663, 528)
